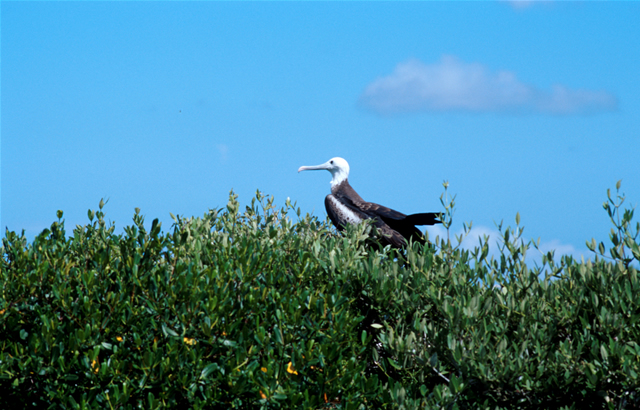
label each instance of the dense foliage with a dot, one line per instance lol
(252, 310)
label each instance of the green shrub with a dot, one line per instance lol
(253, 310)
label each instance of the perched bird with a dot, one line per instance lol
(345, 206)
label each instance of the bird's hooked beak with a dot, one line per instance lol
(327, 165)
(338, 167)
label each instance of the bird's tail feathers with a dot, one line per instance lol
(427, 218)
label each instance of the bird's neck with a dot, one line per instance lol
(337, 181)
(338, 178)
(340, 185)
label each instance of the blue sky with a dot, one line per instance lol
(529, 107)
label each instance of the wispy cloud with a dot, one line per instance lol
(495, 241)
(453, 85)
(223, 149)
(525, 4)
(520, 4)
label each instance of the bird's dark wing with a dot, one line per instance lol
(391, 236)
(342, 214)
(333, 215)
(390, 223)
(403, 224)
(338, 220)
(396, 228)
(350, 198)
(381, 211)
(407, 225)
(363, 211)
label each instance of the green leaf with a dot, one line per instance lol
(603, 353)
(456, 384)
(423, 390)
(393, 363)
(168, 331)
(208, 370)
(229, 343)
(434, 359)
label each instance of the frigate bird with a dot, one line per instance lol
(345, 206)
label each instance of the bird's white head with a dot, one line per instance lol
(338, 167)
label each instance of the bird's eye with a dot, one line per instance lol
(331, 162)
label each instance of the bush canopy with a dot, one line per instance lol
(254, 310)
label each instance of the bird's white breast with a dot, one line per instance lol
(347, 214)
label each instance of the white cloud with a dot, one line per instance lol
(452, 85)
(477, 233)
(559, 248)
